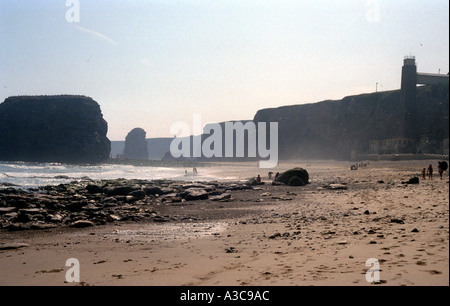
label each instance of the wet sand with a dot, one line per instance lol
(320, 234)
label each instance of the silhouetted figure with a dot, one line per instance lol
(424, 173)
(430, 172)
(442, 166)
(258, 179)
(270, 175)
(277, 175)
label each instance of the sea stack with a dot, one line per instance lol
(65, 129)
(136, 146)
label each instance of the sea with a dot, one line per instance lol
(27, 175)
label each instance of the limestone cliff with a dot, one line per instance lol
(333, 129)
(68, 129)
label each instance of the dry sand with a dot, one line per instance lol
(270, 236)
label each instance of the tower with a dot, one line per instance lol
(409, 98)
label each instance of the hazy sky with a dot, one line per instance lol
(151, 63)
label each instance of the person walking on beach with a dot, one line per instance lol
(430, 172)
(424, 172)
(442, 166)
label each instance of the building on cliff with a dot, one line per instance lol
(412, 138)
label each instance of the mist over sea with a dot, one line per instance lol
(32, 175)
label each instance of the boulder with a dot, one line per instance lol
(413, 180)
(92, 188)
(193, 194)
(118, 190)
(296, 181)
(300, 173)
(221, 197)
(137, 194)
(155, 190)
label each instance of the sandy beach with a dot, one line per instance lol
(319, 234)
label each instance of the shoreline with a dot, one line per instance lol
(319, 234)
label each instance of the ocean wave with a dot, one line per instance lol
(30, 175)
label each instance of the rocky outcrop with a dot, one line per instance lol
(66, 129)
(89, 203)
(135, 145)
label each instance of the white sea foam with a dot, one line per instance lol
(29, 175)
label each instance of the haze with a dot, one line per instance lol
(150, 64)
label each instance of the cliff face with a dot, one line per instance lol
(68, 129)
(333, 129)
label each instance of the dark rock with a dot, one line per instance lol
(137, 194)
(136, 146)
(118, 190)
(9, 190)
(222, 197)
(11, 246)
(22, 218)
(68, 129)
(397, 221)
(153, 190)
(193, 194)
(17, 201)
(296, 181)
(92, 188)
(276, 183)
(158, 218)
(300, 173)
(414, 180)
(230, 250)
(17, 227)
(415, 230)
(75, 206)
